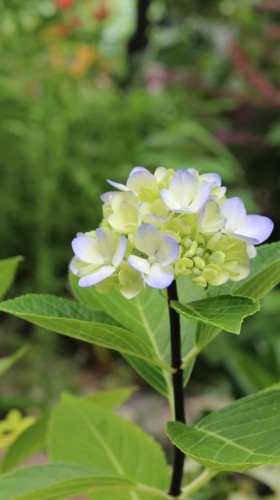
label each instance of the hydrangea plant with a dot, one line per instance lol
(172, 265)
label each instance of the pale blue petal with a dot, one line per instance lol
(141, 265)
(183, 185)
(117, 185)
(201, 196)
(160, 277)
(106, 242)
(141, 179)
(257, 229)
(138, 169)
(170, 199)
(213, 178)
(147, 239)
(97, 276)
(132, 289)
(234, 211)
(168, 250)
(119, 252)
(85, 248)
(72, 267)
(106, 197)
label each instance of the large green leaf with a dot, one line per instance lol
(79, 321)
(89, 435)
(236, 438)
(224, 311)
(8, 269)
(33, 439)
(9, 361)
(264, 275)
(59, 481)
(146, 316)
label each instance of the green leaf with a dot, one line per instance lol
(236, 438)
(57, 481)
(9, 361)
(89, 435)
(8, 269)
(80, 322)
(147, 317)
(111, 399)
(33, 439)
(28, 443)
(224, 311)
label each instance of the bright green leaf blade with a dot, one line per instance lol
(33, 439)
(111, 399)
(78, 321)
(147, 316)
(8, 269)
(9, 361)
(236, 438)
(224, 311)
(28, 443)
(104, 440)
(58, 481)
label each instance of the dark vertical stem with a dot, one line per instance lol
(178, 388)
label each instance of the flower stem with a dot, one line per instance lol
(178, 388)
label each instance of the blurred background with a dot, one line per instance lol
(88, 90)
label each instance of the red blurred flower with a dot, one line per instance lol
(64, 4)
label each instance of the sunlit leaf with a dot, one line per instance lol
(236, 438)
(224, 311)
(78, 321)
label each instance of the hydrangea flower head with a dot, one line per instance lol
(159, 226)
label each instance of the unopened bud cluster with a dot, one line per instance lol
(157, 227)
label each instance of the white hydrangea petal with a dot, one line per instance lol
(106, 241)
(119, 251)
(160, 173)
(168, 250)
(141, 179)
(132, 289)
(72, 266)
(138, 263)
(251, 251)
(183, 185)
(117, 185)
(213, 178)
(106, 197)
(234, 211)
(257, 228)
(170, 199)
(85, 249)
(201, 196)
(138, 169)
(98, 275)
(160, 277)
(211, 221)
(147, 239)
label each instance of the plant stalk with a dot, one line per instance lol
(178, 388)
